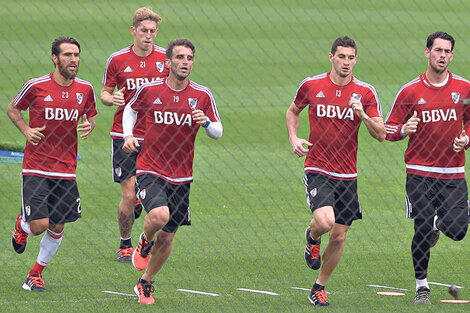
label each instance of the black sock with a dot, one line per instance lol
(318, 287)
(125, 243)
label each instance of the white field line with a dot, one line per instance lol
(119, 293)
(35, 301)
(445, 285)
(306, 289)
(199, 292)
(259, 291)
(387, 287)
(299, 288)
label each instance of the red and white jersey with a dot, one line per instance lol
(58, 108)
(333, 124)
(430, 152)
(126, 69)
(168, 148)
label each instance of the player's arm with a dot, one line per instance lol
(462, 141)
(292, 121)
(33, 135)
(397, 130)
(400, 122)
(109, 98)
(129, 118)
(213, 129)
(375, 125)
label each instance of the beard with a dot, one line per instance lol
(178, 76)
(438, 70)
(63, 71)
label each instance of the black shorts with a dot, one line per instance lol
(340, 194)
(56, 199)
(426, 196)
(154, 192)
(123, 162)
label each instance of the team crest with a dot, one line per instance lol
(27, 210)
(356, 96)
(160, 66)
(142, 194)
(79, 98)
(313, 192)
(118, 172)
(192, 103)
(455, 97)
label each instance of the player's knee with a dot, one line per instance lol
(165, 238)
(39, 226)
(456, 232)
(452, 228)
(338, 238)
(159, 216)
(57, 228)
(325, 225)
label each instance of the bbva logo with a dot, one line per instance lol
(59, 114)
(172, 118)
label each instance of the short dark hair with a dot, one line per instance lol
(179, 42)
(440, 35)
(63, 39)
(345, 41)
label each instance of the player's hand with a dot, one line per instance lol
(86, 127)
(34, 135)
(298, 146)
(412, 124)
(130, 144)
(118, 97)
(199, 117)
(357, 107)
(460, 142)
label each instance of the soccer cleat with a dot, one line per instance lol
(137, 209)
(318, 298)
(433, 238)
(124, 255)
(34, 283)
(423, 296)
(19, 238)
(312, 251)
(140, 256)
(143, 290)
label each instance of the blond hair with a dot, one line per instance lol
(143, 14)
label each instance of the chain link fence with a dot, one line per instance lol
(248, 200)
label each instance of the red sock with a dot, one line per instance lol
(37, 269)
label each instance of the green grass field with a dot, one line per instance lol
(248, 205)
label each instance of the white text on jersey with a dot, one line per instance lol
(437, 115)
(169, 118)
(59, 114)
(134, 83)
(333, 111)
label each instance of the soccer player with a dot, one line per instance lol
(50, 198)
(428, 110)
(125, 71)
(338, 104)
(174, 109)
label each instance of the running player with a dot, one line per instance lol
(126, 70)
(174, 109)
(338, 104)
(50, 198)
(428, 110)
